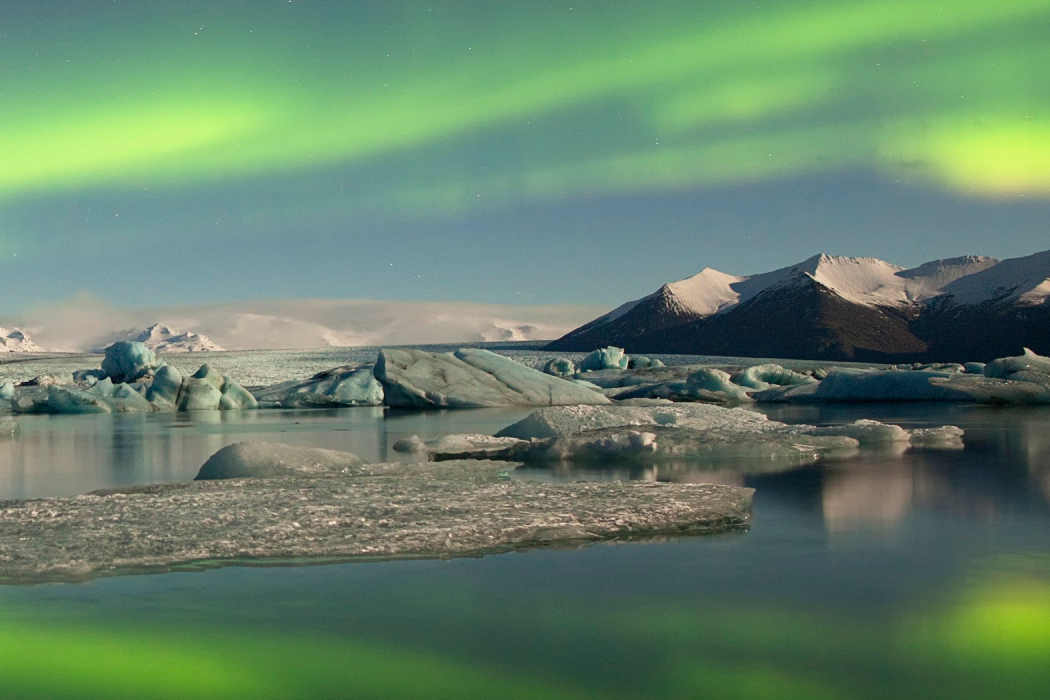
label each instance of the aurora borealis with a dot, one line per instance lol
(548, 152)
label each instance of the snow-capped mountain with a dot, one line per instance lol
(17, 340)
(830, 307)
(162, 338)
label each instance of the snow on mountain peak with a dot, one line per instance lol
(969, 279)
(17, 340)
(162, 338)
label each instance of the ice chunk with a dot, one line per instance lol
(7, 391)
(471, 378)
(268, 460)
(209, 390)
(1009, 380)
(676, 443)
(717, 384)
(605, 358)
(1034, 389)
(128, 361)
(164, 391)
(866, 432)
(1006, 367)
(770, 375)
(476, 445)
(708, 430)
(102, 397)
(943, 437)
(342, 386)
(850, 385)
(641, 362)
(974, 367)
(560, 367)
(555, 422)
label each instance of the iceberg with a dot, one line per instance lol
(471, 378)
(560, 367)
(687, 431)
(128, 361)
(103, 397)
(1024, 379)
(605, 358)
(850, 385)
(341, 386)
(268, 460)
(209, 390)
(767, 376)
(656, 443)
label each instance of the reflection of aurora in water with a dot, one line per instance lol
(944, 593)
(987, 636)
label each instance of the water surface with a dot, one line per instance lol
(894, 574)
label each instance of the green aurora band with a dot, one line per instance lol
(588, 97)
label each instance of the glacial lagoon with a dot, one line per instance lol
(894, 573)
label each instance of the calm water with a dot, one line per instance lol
(893, 575)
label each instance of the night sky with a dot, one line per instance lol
(160, 152)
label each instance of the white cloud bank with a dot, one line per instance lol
(85, 321)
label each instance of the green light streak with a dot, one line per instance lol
(700, 82)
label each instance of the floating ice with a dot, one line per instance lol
(471, 378)
(128, 361)
(209, 390)
(767, 376)
(1024, 379)
(102, 397)
(560, 367)
(268, 460)
(605, 358)
(849, 385)
(641, 362)
(342, 386)
(438, 510)
(686, 431)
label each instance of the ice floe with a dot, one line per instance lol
(326, 507)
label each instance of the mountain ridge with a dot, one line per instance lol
(844, 308)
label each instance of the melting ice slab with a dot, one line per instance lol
(401, 511)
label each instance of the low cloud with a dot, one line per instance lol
(86, 321)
